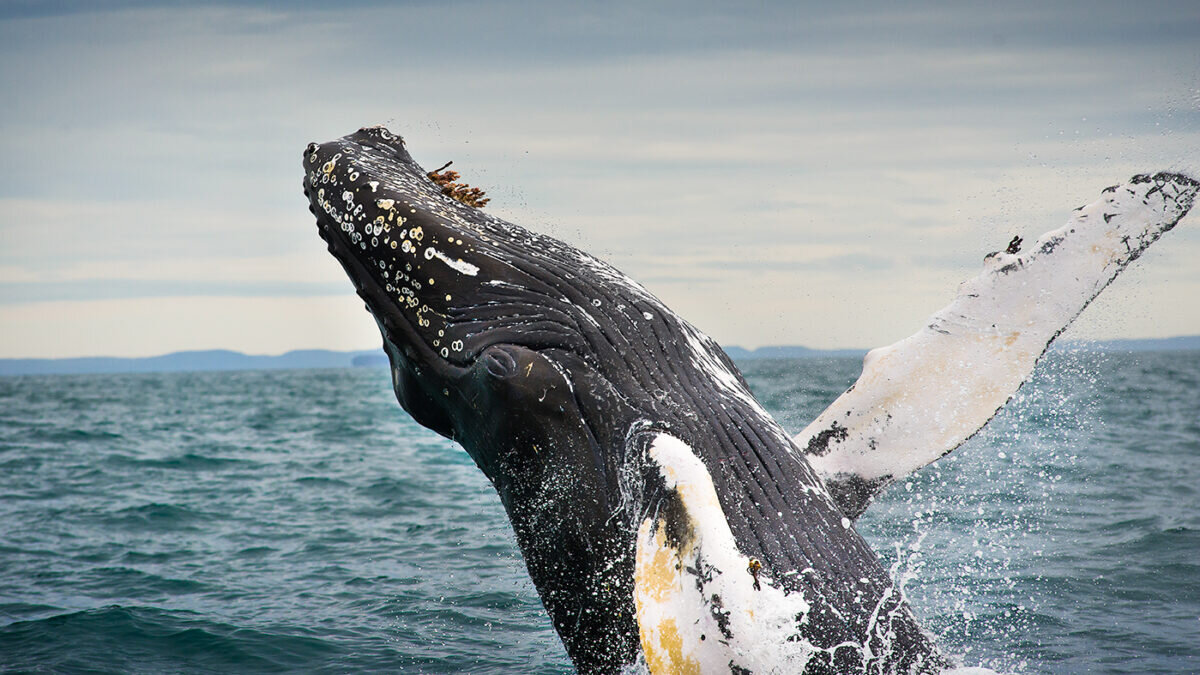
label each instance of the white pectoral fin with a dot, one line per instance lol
(702, 606)
(920, 398)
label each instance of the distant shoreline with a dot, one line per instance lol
(223, 359)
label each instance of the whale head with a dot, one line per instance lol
(463, 300)
(417, 268)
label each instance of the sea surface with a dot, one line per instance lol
(298, 521)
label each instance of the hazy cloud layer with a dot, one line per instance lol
(777, 172)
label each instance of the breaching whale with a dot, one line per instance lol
(666, 520)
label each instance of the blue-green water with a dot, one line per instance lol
(277, 521)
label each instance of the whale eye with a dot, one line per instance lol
(499, 363)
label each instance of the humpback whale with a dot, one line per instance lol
(667, 521)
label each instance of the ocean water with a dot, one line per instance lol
(298, 521)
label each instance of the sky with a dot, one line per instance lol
(822, 174)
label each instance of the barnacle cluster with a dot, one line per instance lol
(460, 192)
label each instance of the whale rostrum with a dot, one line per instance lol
(666, 520)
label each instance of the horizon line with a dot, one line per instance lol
(371, 350)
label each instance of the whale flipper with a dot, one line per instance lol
(922, 397)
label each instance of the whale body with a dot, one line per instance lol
(666, 520)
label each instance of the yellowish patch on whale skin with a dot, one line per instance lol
(699, 606)
(657, 582)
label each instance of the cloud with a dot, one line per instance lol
(153, 149)
(108, 289)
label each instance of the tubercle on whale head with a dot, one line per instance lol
(415, 255)
(413, 259)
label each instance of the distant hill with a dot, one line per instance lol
(224, 359)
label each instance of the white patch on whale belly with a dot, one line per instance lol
(697, 606)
